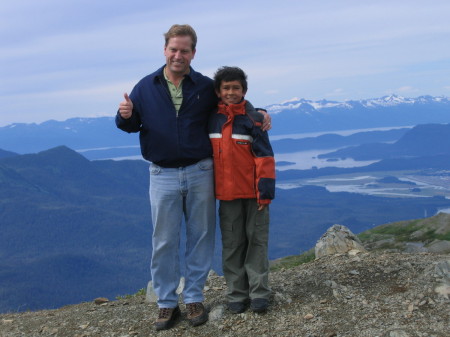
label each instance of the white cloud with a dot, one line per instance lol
(338, 92)
(407, 89)
(272, 92)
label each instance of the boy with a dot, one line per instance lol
(244, 172)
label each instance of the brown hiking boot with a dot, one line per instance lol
(167, 318)
(197, 314)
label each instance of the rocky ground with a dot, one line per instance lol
(368, 294)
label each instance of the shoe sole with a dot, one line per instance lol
(236, 312)
(239, 311)
(199, 320)
(239, 307)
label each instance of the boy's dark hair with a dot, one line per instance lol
(228, 74)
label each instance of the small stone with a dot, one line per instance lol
(443, 290)
(396, 333)
(212, 273)
(150, 295)
(216, 313)
(354, 252)
(309, 316)
(101, 300)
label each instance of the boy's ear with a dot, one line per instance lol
(218, 93)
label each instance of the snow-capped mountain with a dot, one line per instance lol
(302, 115)
(294, 116)
(385, 101)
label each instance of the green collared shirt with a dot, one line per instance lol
(176, 93)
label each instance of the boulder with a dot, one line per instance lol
(439, 247)
(337, 239)
(151, 296)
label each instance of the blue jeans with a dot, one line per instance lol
(174, 193)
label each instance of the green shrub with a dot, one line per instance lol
(294, 260)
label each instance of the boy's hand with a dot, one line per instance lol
(267, 122)
(126, 107)
(261, 207)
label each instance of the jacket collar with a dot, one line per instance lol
(192, 76)
(232, 109)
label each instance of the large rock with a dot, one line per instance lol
(151, 296)
(439, 247)
(338, 239)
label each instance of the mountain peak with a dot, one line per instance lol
(62, 155)
(59, 160)
(6, 154)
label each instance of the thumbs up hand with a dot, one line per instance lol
(126, 107)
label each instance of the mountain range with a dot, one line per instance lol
(297, 116)
(69, 227)
(308, 116)
(422, 140)
(76, 133)
(74, 229)
(382, 102)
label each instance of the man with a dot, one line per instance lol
(169, 108)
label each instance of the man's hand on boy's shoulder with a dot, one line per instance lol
(267, 122)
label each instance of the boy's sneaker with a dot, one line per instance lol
(167, 318)
(237, 307)
(196, 314)
(259, 304)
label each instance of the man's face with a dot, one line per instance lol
(231, 92)
(179, 54)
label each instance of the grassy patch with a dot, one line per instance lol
(294, 260)
(140, 292)
(401, 232)
(443, 236)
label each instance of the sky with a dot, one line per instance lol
(76, 58)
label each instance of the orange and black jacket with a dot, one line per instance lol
(244, 165)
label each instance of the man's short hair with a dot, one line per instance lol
(181, 30)
(228, 74)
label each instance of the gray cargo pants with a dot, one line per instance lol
(245, 236)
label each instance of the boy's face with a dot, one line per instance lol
(231, 92)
